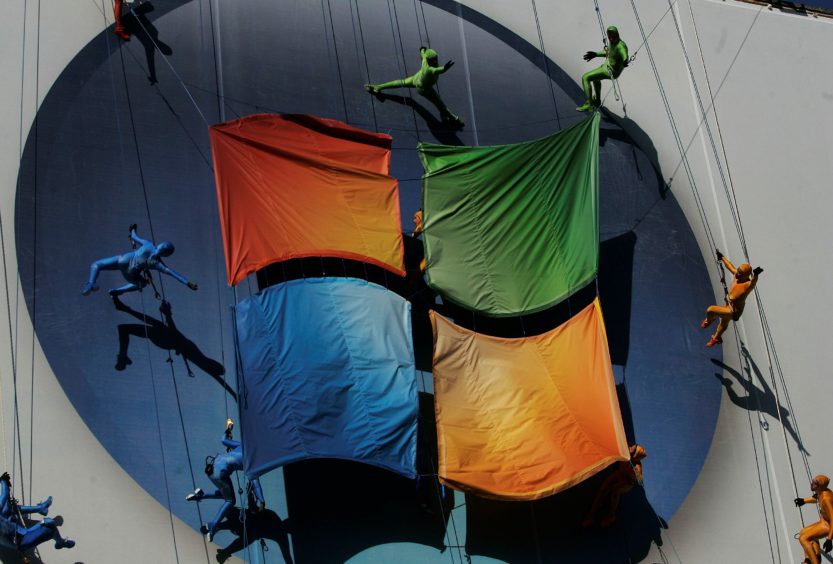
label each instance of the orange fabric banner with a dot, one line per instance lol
(521, 419)
(291, 186)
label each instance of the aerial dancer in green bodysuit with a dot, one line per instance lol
(424, 81)
(616, 59)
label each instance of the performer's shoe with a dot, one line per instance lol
(586, 107)
(88, 289)
(64, 543)
(370, 89)
(43, 507)
(196, 495)
(712, 342)
(119, 30)
(209, 536)
(122, 361)
(705, 323)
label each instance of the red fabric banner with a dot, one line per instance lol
(291, 186)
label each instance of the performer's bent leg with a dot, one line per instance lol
(110, 263)
(432, 96)
(42, 507)
(123, 289)
(591, 79)
(400, 83)
(809, 540)
(41, 533)
(119, 29)
(724, 314)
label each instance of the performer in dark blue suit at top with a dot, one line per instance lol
(14, 534)
(135, 266)
(219, 471)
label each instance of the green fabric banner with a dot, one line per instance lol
(513, 229)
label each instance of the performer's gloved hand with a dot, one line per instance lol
(165, 307)
(192, 286)
(799, 501)
(449, 64)
(133, 227)
(758, 270)
(719, 254)
(827, 546)
(6, 478)
(590, 55)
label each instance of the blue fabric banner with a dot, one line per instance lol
(327, 372)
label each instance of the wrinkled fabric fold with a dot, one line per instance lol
(521, 419)
(327, 372)
(512, 229)
(291, 186)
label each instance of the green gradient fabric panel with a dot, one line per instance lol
(513, 229)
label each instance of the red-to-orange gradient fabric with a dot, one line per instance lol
(291, 186)
(522, 419)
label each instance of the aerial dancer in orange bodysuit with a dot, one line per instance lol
(810, 535)
(742, 286)
(621, 481)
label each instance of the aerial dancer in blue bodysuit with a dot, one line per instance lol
(219, 471)
(135, 266)
(14, 534)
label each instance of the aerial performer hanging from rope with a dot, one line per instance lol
(119, 29)
(424, 81)
(743, 284)
(219, 469)
(14, 533)
(135, 266)
(616, 59)
(625, 476)
(810, 535)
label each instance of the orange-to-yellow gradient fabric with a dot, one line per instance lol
(525, 418)
(291, 186)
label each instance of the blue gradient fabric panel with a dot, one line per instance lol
(327, 372)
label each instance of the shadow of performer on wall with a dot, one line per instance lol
(756, 399)
(256, 526)
(167, 337)
(444, 133)
(138, 25)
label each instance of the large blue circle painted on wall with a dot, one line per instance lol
(122, 138)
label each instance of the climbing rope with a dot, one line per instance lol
(774, 365)
(546, 62)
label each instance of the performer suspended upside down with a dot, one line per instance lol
(219, 469)
(616, 59)
(14, 533)
(424, 81)
(810, 535)
(743, 284)
(135, 266)
(625, 476)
